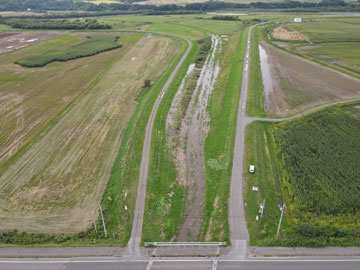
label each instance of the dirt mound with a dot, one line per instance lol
(286, 33)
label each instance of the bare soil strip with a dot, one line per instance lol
(286, 33)
(187, 142)
(10, 41)
(57, 184)
(299, 84)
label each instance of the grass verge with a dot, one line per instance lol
(255, 99)
(219, 144)
(165, 197)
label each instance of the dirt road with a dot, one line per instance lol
(133, 247)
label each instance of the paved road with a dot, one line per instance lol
(209, 264)
(239, 234)
(133, 247)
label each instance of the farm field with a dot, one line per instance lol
(61, 175)
(299, 84)
(27, 103)
(260, 153)
(318, 168)
(332, 41)
(286, 33)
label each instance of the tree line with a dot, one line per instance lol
(31, 23)
(128, 6)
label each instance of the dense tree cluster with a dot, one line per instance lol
(128, 6)
(225, 18)
(31, 23)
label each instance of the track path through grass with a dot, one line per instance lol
(133, 247)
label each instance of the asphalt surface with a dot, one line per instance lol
(239, 234)
(135, 240)
(212, 264)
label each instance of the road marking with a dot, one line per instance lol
(215, 263)
(177, 260)
(148, 267)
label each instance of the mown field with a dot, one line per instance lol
(62, 173)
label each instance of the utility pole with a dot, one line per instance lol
(103, 222)
(282, 213)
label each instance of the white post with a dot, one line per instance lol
(263, 206)
(95, 226)
(103, 222)
(282, 213)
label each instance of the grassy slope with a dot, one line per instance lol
(337, 127)
(165, 198)
(260, 152)
(220, 141)
(255, 100)
(125, 173)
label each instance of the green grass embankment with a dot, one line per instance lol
(255, 99)
(125, 173)
(219, 144)
(165, 197)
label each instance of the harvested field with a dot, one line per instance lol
(56, 184)
(10, 41)
(286, 33)
(299, 84)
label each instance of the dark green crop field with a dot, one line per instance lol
(318, 163)
(93, 45)
(320, 156)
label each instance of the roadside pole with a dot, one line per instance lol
(103, 222)
(282, 213)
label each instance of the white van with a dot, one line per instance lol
(252, 169)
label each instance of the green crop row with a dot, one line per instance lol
(319, 158)
(93, 45)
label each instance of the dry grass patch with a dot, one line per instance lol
(57, 184)
(286, 33)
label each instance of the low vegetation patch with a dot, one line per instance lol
(93, 45)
